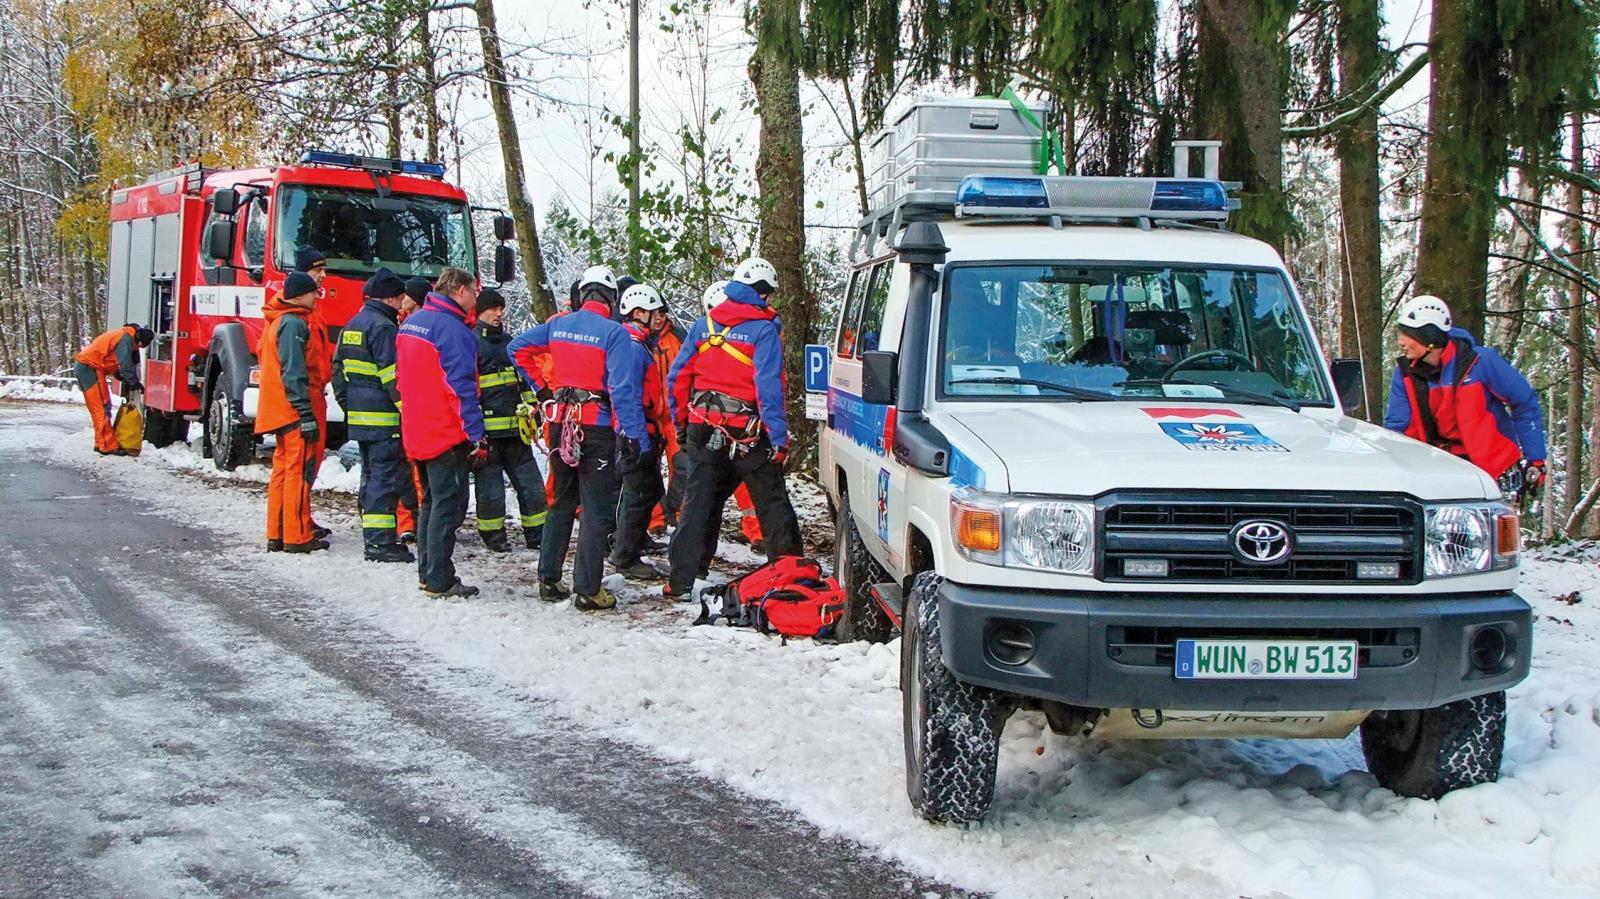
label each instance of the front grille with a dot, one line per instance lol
(1332, 534)
(1156, 647)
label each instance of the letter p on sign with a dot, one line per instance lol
(816, 368)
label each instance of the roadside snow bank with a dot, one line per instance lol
(39, 390)
(817, 727)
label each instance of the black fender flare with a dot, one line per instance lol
(230, 352)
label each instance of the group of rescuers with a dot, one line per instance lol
(434, 390)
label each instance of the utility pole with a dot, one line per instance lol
(633, 137)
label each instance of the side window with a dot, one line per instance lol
(872, 310)
(255, 234)
(845, 348)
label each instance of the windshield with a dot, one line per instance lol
(360, 231)
(1124, 332)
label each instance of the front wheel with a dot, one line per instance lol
(857, 571)
(230, 442)
(1429, 752)
(952, 729)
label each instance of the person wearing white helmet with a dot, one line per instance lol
(727, 394)
(642, 488)
(712, 297)
(1464, 398)
(596, 422)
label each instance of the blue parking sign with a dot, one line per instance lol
(816, 368)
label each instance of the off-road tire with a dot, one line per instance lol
(952, 729)
(1429, 752)
(857, 571)
(228, 441)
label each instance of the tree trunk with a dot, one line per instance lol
(432, 123)
(781, 179)
(1576, 333)
(505, 119)
(1466, 155)
(1513, 298)
(1239, 101)
(1361, 293)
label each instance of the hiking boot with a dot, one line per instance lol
(533, 536)
(637, 570)
(671, 595)
(495, 541)
(274, 546)
(310, 546)
(455, 589)
(318, 532)
(601, 600)
(389, 552)
(553, 591)
(652, 548)
(408, 537)
(758, 546)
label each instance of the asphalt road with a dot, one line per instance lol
(169, 727)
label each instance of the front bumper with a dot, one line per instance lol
(1114, 650)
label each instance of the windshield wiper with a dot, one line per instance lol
(1074, 392)
(1228, 392)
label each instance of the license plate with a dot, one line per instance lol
(1266, 659)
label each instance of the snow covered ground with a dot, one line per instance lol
(817, 728)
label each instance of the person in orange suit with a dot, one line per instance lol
(289, 379)
(115, 352)
(311, 260)
(417, 288)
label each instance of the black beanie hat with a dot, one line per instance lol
(298, 284)
(417, 289)
(384, 285)
(306, 257)
(625, 282)
(489, 298)
(143, 336)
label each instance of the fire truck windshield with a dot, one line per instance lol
(359, 231)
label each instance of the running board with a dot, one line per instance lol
(890, 600)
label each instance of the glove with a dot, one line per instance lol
(780, 455)
(630, 455)
(1533, 478)
(132, 384)
(682, 435)
(310, 431)
(480, 454)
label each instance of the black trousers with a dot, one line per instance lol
(712, 479)
(509, 456)
(641, 490)
(672, 504)
(385, 483)
(443, 508)
(593, 484)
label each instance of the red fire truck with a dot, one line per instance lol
(196, 252)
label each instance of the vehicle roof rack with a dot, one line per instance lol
(192, 173)
(374, 163)
(1055, 200)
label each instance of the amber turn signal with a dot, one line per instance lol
(977, 529)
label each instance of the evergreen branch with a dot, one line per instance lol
(1365, 107)
(1570, 176)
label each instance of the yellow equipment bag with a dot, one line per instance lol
(129, 428)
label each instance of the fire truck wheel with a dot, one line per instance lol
(231, 443)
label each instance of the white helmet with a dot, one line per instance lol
(598, 276)
(1423, 312)
(640, 296)
(754, 271)
(713, 295)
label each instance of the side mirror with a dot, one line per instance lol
(219, 241)
(225, 201)
(505, 263)
(505, 228)
(1347, 382)
(880, 369)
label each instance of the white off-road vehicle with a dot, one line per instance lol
(1086, 455)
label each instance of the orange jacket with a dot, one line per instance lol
(665, 349)
(294, 368)
(108, 354)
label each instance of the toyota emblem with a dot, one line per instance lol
(1262, 542)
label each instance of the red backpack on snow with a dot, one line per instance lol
(788, 595)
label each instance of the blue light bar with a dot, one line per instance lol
(1189, 196)
(373, 163)
(1002, 192)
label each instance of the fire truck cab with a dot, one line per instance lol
(195, 253)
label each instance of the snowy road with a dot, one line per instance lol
(173, 725)
(181, 713)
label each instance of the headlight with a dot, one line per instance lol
(1468, 538)
(1024, 532)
